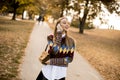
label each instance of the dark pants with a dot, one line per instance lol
(41, 77)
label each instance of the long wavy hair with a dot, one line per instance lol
(68, 41)
(58, 21)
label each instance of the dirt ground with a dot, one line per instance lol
(101, 48)
(14, 36)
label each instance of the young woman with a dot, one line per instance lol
(61, 50)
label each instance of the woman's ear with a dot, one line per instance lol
(59, 28)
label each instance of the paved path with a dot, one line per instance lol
(79, 69)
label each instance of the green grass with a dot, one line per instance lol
(14, 36)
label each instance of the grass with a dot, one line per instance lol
(101, 48)
(14, 36)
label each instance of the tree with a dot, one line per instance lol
(63, 4)
(14, 5)
(29, 6)
(52, 7)
(82, 22)
(3, 6)
(94, 6)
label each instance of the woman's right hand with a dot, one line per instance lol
(47, 62)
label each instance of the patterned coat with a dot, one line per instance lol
(60, 53)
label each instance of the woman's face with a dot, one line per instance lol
(64, 24)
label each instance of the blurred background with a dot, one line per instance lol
(95, 28)
(81, 13)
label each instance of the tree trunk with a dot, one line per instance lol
(82, 22)
(61, 14)
(15, 5)
(30, 17)
(14, 14)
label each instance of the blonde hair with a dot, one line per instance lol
(58, 21)
(68, 40)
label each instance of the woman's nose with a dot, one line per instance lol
(68, 25)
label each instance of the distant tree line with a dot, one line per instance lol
(55, 8)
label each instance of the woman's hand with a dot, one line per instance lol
(47, 62)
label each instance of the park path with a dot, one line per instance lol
(79, 69)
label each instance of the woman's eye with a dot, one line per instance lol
(64, 22)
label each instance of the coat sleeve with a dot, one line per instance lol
(58, 38)
(70, 54)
